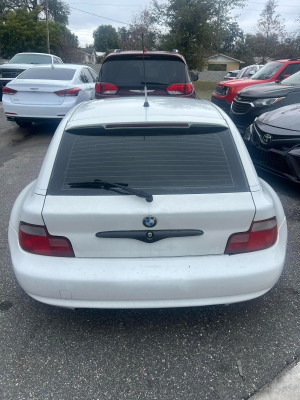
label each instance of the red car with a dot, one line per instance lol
(276, 70)
(167, 74)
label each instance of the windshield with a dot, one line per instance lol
(267, 71)
(292, 80)
(30, 59)
(129, 71)
(56, 74)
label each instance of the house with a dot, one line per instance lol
(89, 55)
(220, 62)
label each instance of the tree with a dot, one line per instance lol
(58, 10)
(106, 37)
(142, 23)
(195, 27)
(270, 26)
(23, 32)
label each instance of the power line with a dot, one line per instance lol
(100, 16)
(255, 2)
(252, 9)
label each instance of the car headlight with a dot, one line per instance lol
(225, 91)
(267, 102)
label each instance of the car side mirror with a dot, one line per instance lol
(251, 72)
(285, 76)
(194, 77)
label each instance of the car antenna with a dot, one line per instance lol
(146, 104)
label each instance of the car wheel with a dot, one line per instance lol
(24, 124)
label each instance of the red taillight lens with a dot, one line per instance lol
(105, 88)
(262, 235)
(68, 92)
(7, 90)
(36, 239)
(180, 88)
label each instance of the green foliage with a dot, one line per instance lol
(23, 32)
(142, 23)
(58, 10)
(195, 27)
(106, 37)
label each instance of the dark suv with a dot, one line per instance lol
(167, 74)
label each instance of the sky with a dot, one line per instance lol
(83, 23)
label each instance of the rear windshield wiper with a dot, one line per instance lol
(99, 184)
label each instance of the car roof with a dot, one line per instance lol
(69, 66)
(42, 54)
(131, 110)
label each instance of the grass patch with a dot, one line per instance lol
(204, 89)
(205, 85)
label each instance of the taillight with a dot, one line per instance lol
(180, 88)
(36, 239)
(7, 90)
(68, 92)
(105, 88)
(261, 235)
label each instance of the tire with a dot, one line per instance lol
(24, 124)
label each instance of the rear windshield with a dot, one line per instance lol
(56, 74)
(159, 161)
(30, 59)
(267, 71)
(129, 71)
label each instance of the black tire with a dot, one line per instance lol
(24, 124)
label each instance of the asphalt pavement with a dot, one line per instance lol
(205, 353)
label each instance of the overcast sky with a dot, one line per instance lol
(83, 24)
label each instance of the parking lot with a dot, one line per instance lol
(215, 353)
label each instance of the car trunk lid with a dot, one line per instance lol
(38, 92)
(217, 216)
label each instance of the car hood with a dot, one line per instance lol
(286, 118)
(236, 82)
(17, 66)
(267, 90)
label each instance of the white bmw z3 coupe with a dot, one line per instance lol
(139, 207)
(47, 93)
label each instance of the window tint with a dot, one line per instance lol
(57, 74)
(292, 80)
(267, 71)
(290, 70)
(129, 71)
(93, 74)
(85, 76)
(30, 59)
(160, 163)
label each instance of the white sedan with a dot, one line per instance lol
(140, 207)
(47, 92)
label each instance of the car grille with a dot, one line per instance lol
(240, 108)
(269, 160)
(297, 159)
(255, 137)
(11, 73)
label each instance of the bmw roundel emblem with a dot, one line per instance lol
(150, 222)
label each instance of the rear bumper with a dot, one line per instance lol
(34, 111)
(223, 104)
(148, 282)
